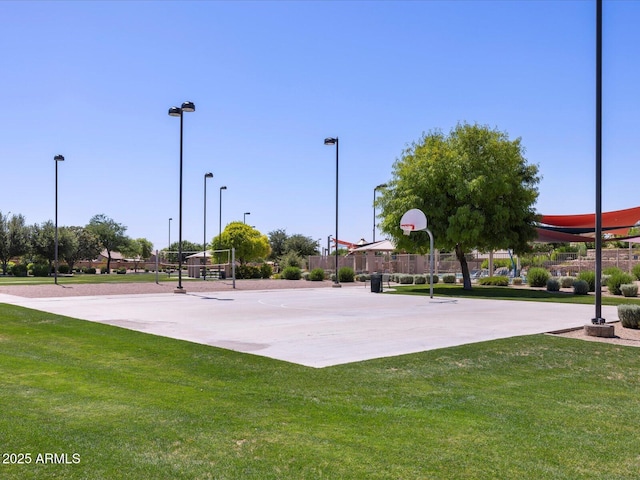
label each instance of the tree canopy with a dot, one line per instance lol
(110, 234)
(248, 242)
(475, 187)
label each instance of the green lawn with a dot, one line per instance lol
(509, 293)
(91, 278)
(137, 406)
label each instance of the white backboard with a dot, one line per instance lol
(413, 220)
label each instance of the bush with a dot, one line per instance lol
(629, 315)
(636, 271)
(553, 285)
(405, 280)
(537, 277)
(363, 277)
(291, 259)
(41, 270)
(629, 290)
(244, 272)
(291, 273)
(316, 275)
(616, 280)
(346, 274)
(589, 277)
(305, 276)
(121, 271)
(566, 282)
(89, 270)
(266, 270)
(449, 278)
(611, 271)
(18, 270)
(580, 287)
(517, 281)
(420, 279)
(497, 281)
(64, 269)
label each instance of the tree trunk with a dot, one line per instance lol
(466, 278)
(108, 261)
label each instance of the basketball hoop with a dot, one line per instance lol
(407, 228)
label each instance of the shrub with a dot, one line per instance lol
(580, 287)
(266, 270)
(291, 259)
(589, 277)
(420, 279)
(611, 271)
(517, 281)
(629, 289)
(89, 270)
(553, 285)
(64, 269)
(449, 278)
(346, 274)
(291, 273)
(636, 271)
(616, 280)
(316, 275)
(497, 281)
(19, 270)
(305, 276)
(566, 282)
(41, 270)
(629, 315)
(537, 277)
(248, 271)
(363, 277)
(405, 279)
(121, 271)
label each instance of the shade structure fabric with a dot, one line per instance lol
(616, 222)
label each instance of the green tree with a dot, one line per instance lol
(14, 238)
(277, 241)
(475, 187)
(43, 243)
(138, 250)
(110, 234)
(248, 242)
(188, 248)
(83, 245)
(302, 245)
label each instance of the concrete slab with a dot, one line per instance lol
(319, 327)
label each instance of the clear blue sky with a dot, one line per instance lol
(94, 80)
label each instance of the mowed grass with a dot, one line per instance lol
(510, 293)
(130, 277)
(136, 406)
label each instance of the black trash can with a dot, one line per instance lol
(376, 282)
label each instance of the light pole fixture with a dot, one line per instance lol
(334, 141)
(169, 246)
(329, 245)
(57, 159)
(244, 218)
(204, 242)
(382, 185)
(224, 187)
(178, 112)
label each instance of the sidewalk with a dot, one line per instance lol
(319, 327)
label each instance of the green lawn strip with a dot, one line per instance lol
(90, 278)
(509, 293)
(138, 406)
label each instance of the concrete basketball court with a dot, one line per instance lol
(319, 327)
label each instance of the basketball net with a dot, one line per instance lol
(407, 228)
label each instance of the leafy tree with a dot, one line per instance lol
(249, 243)
(303, 246)
(14, 238)
(277, 242)
(138, 250)
(82, 245)
(43, 244)
(475, 187)
(187, 249)
(110, 234)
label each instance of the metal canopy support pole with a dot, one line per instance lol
(430, 262)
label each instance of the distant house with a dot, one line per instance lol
(115, 257)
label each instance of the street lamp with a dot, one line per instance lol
(382, 185)
(178, 112)
(57, 159)
(169, 246)
(204, 243)
(334, 141)
(244, 218)
(224, 187)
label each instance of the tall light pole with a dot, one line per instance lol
(382, 185)
(178, 112)
(169, 246)
(224, 187)
(244, 218)
(57, 159)
(334, 141)
(204, 242)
